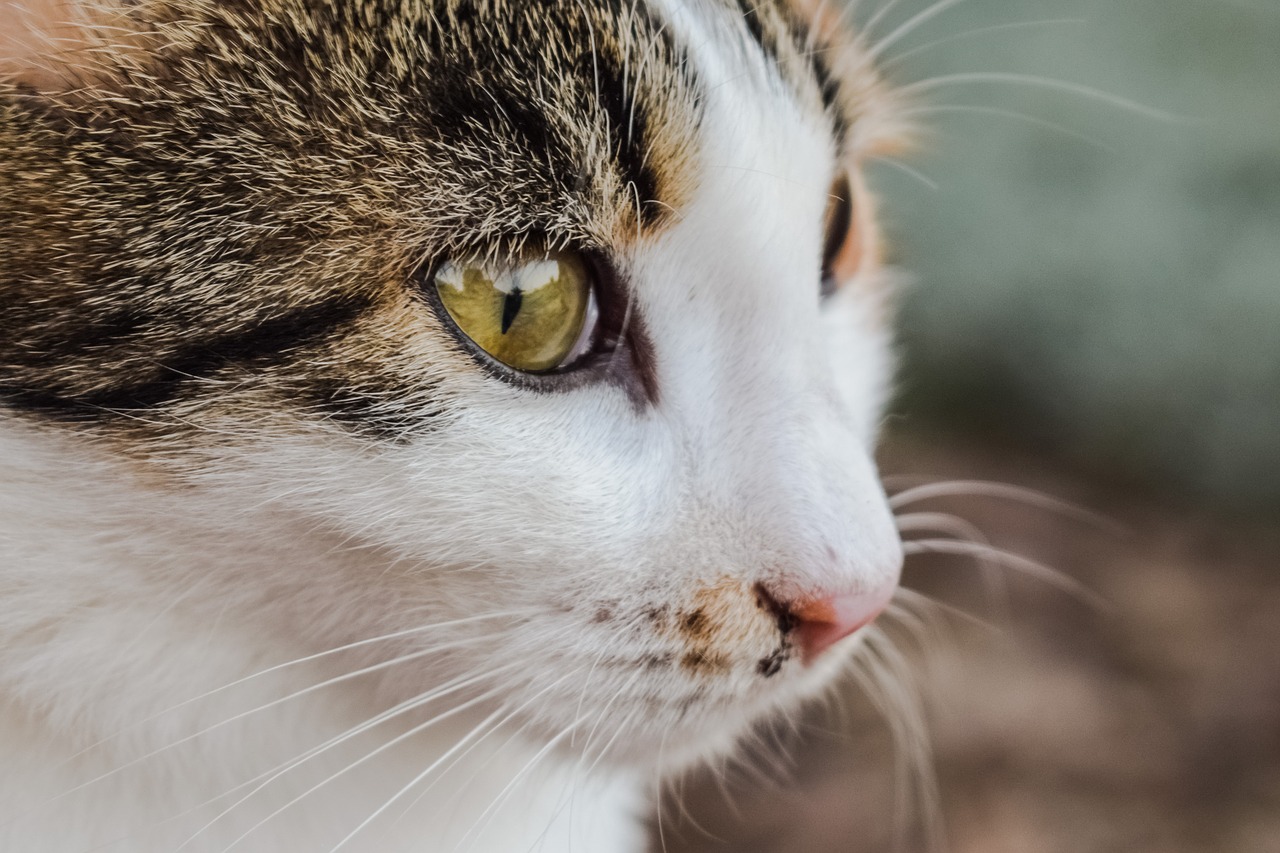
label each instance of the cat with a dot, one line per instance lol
(426, 425)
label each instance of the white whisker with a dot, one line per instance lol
(266, 706)
(963, 109)
(919, 601)
(965, 531)
(401, 738)
(491, 810)
(913, 24)
(600, 716)
(888, 681)
(511, 714)
(876, 18)
(280, 770)
(931, 489)
(1032, 81)
(907, 170)
(431, 768)
(1015, 25)
(1013, 561)
(408, 632)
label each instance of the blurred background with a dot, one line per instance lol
(1094, 315)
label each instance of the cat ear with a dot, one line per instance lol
(54, 44)
(880, 130)
(824, 18)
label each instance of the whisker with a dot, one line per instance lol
(1032, 81)
(510, 789)
(1015, 25)
(657, 796)
(686, 816)
(963, 109)
(401, 738)
(876, 18)
(244, 714)
(966, 531)
(408, 632)
(457, 759)
(486, 817)
(1017, 562)
(910, 171)
(617, 733)
(462, 742)
(887, 679)
(600, 716)
(906, 29)
(586, 682)
(919, 601)
(924, 632)
(1004, 491)
(718, 774)
(280, 770)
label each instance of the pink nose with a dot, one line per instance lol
(823, 622)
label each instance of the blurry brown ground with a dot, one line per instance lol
(1150, 726)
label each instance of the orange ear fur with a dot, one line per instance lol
(46, 44)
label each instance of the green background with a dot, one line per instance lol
(1107, 288)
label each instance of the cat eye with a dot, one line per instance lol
(535, 315)
(839, 224)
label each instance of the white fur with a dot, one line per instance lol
(129, 588)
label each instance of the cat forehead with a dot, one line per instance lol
(593, 113)
(567, 121)
(560, 120)
(247, 179)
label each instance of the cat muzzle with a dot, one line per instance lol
(814, 625)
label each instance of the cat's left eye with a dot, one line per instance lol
(838, 227)
(536, 315)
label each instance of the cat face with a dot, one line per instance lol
(228, 265)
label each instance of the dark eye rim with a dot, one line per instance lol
(620, 351)
(837, 227)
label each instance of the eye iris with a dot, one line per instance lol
(528, 316)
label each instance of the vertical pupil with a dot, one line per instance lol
(510, 308)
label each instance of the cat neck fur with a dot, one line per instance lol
(99, 652)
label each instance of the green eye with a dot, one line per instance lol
(535, 315)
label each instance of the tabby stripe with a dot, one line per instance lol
(269, 339)
(628, 123)
(386, 416)
(797, 31)
(627, 129)
(70, 339)
(829, 87)
(755, 26)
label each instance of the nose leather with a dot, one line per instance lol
(823, 622)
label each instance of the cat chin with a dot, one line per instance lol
(727, 733)
(674, 736)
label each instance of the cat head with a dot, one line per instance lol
(559, 323)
